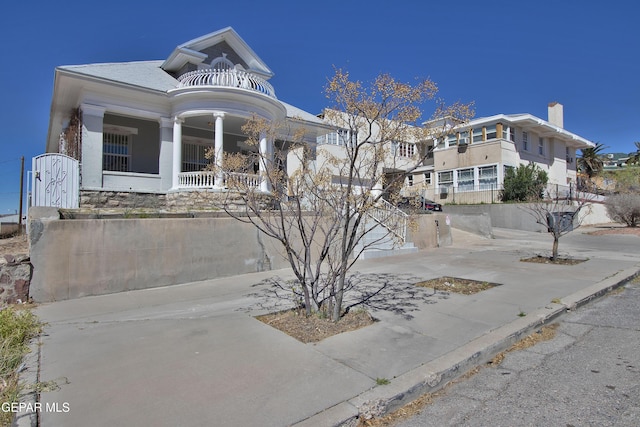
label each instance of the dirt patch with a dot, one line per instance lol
(557, 261)
(456, 285)
(315, 328)
(411, 409)
(14, 245)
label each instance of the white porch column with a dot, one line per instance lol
(219, 148)
(266, 160)
(165, 159)
(92, 145)
(177, 152)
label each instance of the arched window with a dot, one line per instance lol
(222, 63)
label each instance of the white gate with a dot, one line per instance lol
(55, 181)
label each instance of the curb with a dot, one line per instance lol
(436, 374)
(29, 377)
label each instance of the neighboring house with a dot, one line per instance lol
(472, 157)
(146, 126)
(614, 160)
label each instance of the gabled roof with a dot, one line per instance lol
(191, 52)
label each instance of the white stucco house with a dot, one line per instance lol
(146, 125)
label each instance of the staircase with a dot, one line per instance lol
(389, 234)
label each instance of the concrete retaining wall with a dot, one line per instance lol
(514, 216)
(75, 258)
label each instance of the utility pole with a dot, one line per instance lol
(21, 191)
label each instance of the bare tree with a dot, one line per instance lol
(624, 207)
(329, 197)
(560, 214)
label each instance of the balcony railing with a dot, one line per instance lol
(226, 78)
(207, 179)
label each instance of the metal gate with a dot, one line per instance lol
(55, 181)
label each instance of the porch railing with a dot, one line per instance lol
(392, 218)
(226, 78)
(207, 179)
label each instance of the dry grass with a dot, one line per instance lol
(17, 326)
(456, 285)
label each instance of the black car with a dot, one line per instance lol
(419, 203)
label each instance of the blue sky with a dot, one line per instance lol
(506, 56)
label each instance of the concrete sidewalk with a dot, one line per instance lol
(193, 355)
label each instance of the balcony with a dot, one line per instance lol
(208, 179)
(226, 78)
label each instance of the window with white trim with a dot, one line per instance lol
(116, 148)
(525, 141)
(410, 180)
(445, 179)
(406, 149)
(464, 137)
(465, 179)
(491, 132)
(452, 140)
(339, 137)
(488, 177)
(541, 146)
(427, 178)
(477, 135)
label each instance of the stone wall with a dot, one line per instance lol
(121, 200)
(15, 278)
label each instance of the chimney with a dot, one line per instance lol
(556, 115)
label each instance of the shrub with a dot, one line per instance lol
(524, 183)
(624, 207)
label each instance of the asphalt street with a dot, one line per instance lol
(588, 375)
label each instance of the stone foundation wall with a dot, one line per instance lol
(208, 199)
(121, 200)
(15, 278)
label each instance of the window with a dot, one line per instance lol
(445, 179)
(452, 140)
(193, 155)
(491, 132)
(464, 137)
(116, 152)
(512, 134)
(541, 146)
(477, 135)
(427, 178)
(406, 149)
(430, 152)
(525, 141)
(488, 177)
(339, 137)
(465, 179)
(345, 137)
(505, 132)
(116, 147)
(410, 180)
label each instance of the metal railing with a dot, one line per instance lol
(391, 218)
(226, 78)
